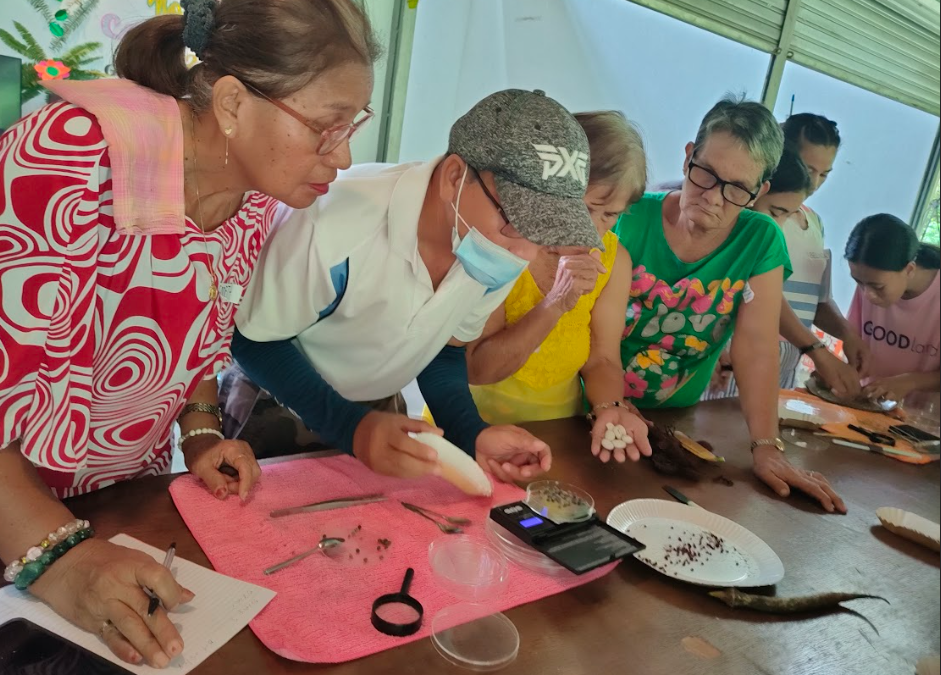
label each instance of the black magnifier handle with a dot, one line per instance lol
(407, 581)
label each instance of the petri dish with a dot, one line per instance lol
(479, 643)
(560, 502)
(469, 569)
(520, 554)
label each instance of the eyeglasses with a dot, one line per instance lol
(508, 230)
(330, 139)
(733, 193)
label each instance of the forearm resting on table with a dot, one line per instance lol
(28, 509)
(756, 372)
(494, 358)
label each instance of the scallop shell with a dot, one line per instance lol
(457, 467)
(915, 528)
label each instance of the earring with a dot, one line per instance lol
(228, 131)
(226, 152)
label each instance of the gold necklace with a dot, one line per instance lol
(213, 290)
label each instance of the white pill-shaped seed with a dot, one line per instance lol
(609, 426)
(607, 445)
(620, 444)
(628, 439)
(609, 436)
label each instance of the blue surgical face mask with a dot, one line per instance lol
(484, 261)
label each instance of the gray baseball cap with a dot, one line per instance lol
(538, 154)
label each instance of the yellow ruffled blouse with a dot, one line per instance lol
(548, 385)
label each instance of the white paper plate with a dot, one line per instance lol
(911, 526)
(694, 545)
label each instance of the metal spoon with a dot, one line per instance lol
(444, 527)
(451, 519)
(323, 545)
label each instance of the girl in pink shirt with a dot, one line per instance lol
(896, 306)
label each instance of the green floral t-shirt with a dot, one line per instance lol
(680, 314)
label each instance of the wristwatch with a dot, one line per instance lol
(770, 442)
(812, 348)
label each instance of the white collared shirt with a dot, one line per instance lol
(389, 322)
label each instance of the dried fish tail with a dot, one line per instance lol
(809, 603)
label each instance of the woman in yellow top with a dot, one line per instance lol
(562, 322)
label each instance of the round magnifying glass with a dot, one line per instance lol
(398, 614)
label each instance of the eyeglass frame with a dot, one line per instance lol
(350, 128)
(498, 206)
(721, 183)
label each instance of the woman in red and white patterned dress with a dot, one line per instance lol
(131, 216)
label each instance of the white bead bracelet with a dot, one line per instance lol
(199, 432)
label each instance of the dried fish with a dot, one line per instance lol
(772, 605)
(671, 458)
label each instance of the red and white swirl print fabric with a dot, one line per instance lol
(103, 336)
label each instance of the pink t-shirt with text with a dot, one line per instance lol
(903, 338)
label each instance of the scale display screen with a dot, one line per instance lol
(578, 547)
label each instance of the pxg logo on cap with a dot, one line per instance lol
(538, 153)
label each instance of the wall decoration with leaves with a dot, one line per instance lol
(55, 62)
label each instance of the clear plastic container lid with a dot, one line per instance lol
(560, 502)
(478, 643)
(470, 569)
(521, 554)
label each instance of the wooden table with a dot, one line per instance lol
(633, 621)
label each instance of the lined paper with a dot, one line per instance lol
(222, 607)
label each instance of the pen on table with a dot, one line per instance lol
(154, 600)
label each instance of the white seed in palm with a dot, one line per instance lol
(618, 443)
(609, 427)
(608, 444)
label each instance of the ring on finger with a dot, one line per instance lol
(105, 625)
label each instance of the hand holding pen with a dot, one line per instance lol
(98, 587)
(154, 599)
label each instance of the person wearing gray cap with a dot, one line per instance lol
(387, 277)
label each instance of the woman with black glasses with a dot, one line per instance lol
(706, 265)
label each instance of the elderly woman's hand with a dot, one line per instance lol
(98, 586)
(205, 456)
(636, 428)
(772, 467)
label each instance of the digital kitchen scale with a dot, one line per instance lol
(578, 547)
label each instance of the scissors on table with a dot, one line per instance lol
(876, 437)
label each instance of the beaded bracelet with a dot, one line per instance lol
(602, 406)
(199, 432)
(22, 572)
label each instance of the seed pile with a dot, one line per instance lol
(616, 436)
(690, 551)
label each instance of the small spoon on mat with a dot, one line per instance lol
(323, 545)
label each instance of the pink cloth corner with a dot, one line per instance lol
(321, 613)
(145, 143)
